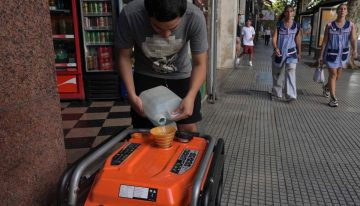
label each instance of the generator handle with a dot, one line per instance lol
(202, 170)
(83, 165)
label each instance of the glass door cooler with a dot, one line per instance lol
(65, 34)
(102, 80)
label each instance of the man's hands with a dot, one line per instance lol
(184, 110)
(137, 104)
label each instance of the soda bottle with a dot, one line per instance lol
(102, 37)
(105, 7)
(52, 5)
(95, 59)
(62, 25)
(85, 7)
(93, 37)
(96, 8)
(88, 37)
(100, 7)
(97, 35)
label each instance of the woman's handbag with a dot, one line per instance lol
(319, 76)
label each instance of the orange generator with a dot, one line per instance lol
(129, 170)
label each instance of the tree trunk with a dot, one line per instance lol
(354, 16)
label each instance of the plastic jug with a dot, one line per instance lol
(159, 102)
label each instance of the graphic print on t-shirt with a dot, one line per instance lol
(162, 52)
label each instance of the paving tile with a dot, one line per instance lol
(89, 123)
(71, 116)
(120, 109)
(74, 110)
(98, 109)
(68, 124)
(102, 104)
(79, 142)
(92, 116)
(83, 132)
(117, 122)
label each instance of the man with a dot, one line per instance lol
(247, 36)
(161, 31)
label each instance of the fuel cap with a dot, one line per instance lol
(183, 137)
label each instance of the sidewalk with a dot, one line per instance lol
(278, 153)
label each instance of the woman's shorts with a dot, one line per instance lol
(178, 86)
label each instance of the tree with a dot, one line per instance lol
(354, 16)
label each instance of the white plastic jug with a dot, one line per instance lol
(159, 102)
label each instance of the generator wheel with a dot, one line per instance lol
(220, 190)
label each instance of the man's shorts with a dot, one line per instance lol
(248, 49)
(178, 86)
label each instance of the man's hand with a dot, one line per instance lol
(184, 110)
(299, 57)
(137, 104)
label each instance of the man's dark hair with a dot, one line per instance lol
(165, 10)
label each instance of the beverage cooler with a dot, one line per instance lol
(97, 17)
(65, 34)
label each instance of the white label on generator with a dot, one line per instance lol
(126, 191)
(140, 193)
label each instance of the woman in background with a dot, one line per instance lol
(287, 52)
(335, 50)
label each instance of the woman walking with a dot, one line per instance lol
(335, 50)
(287, 52)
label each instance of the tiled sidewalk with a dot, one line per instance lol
(279, 153)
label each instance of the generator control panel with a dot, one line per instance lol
(124, 153)
(185, 161)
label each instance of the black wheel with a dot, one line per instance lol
(220, 190)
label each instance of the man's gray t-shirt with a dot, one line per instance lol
(157, 56)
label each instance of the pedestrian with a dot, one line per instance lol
(161, 31)
(267, 36)
(247, 38)
(287, 53)
(238, 40)
(335, 50)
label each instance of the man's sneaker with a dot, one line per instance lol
(333, 102)
(326, 92)
(250, 63)
(237, 61)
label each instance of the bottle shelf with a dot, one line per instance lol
(98, 28)
(59, 11)
(63, 36)
(97, 14)
(100, 44)
(65, 64)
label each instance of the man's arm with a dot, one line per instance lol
(198, 75)
(125, 64)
